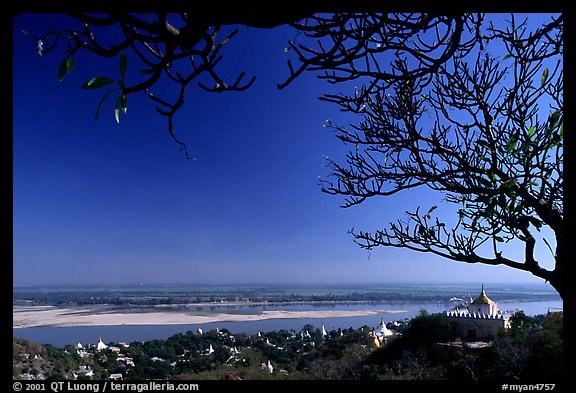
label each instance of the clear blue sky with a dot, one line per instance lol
(98, 202)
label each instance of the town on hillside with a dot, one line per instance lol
(474, 340)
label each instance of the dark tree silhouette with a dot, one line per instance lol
(176, 49)
(449, 102)
(478, 119)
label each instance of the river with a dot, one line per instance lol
(61, 336)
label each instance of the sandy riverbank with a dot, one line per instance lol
(59, 317)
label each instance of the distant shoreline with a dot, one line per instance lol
(27, 317)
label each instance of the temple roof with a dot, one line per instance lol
(483, 299)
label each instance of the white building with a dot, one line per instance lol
(480, 319)
(100, 346)
(380, 334)
(83, 371)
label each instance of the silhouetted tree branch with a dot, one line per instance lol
(454, 103)
(484, 130)
(181, 47)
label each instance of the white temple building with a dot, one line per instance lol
(481, 318)
(380, 334)
(100, 346)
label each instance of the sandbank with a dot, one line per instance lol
(61, 317)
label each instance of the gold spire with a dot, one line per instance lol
(375, 339)
(483, 299)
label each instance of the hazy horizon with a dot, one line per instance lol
(134, 285)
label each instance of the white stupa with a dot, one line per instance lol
(100, 346)
(269, 367)
(382, 331)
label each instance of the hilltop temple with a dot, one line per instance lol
(381, 334)
(480, 319)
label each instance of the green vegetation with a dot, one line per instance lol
(531, 350)
(426, 349)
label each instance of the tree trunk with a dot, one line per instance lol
(558, 280)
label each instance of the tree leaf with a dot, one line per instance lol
(484, 144)
(536, 222)
(123, 65)
(100, 104)
(544, 76)
(117, 108)
(511, 144)
(69, 65)
(485, 182)
(507, 57)
(61, 71)
(498, 239)
(123, 102)
(553, 118)
(98, 82)
(65, 67)
(432, 209)
(489, 211)
(531, 131)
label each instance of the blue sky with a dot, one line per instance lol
(100, 202)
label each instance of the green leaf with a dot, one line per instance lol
(507, 57)
(69, 65)
(498, 239)
(117, 108)
(553, 118)
(531, 131)
(511, 143)
(123, 102)
(510, 183)
(484, 182)
(61, 70)
(98, 82)
(544, 76)
(65, 67)
(536, 222)
(123, 64)
(101, 102)
(484, 144)
(489, 210)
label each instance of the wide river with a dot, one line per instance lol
(61, 336)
